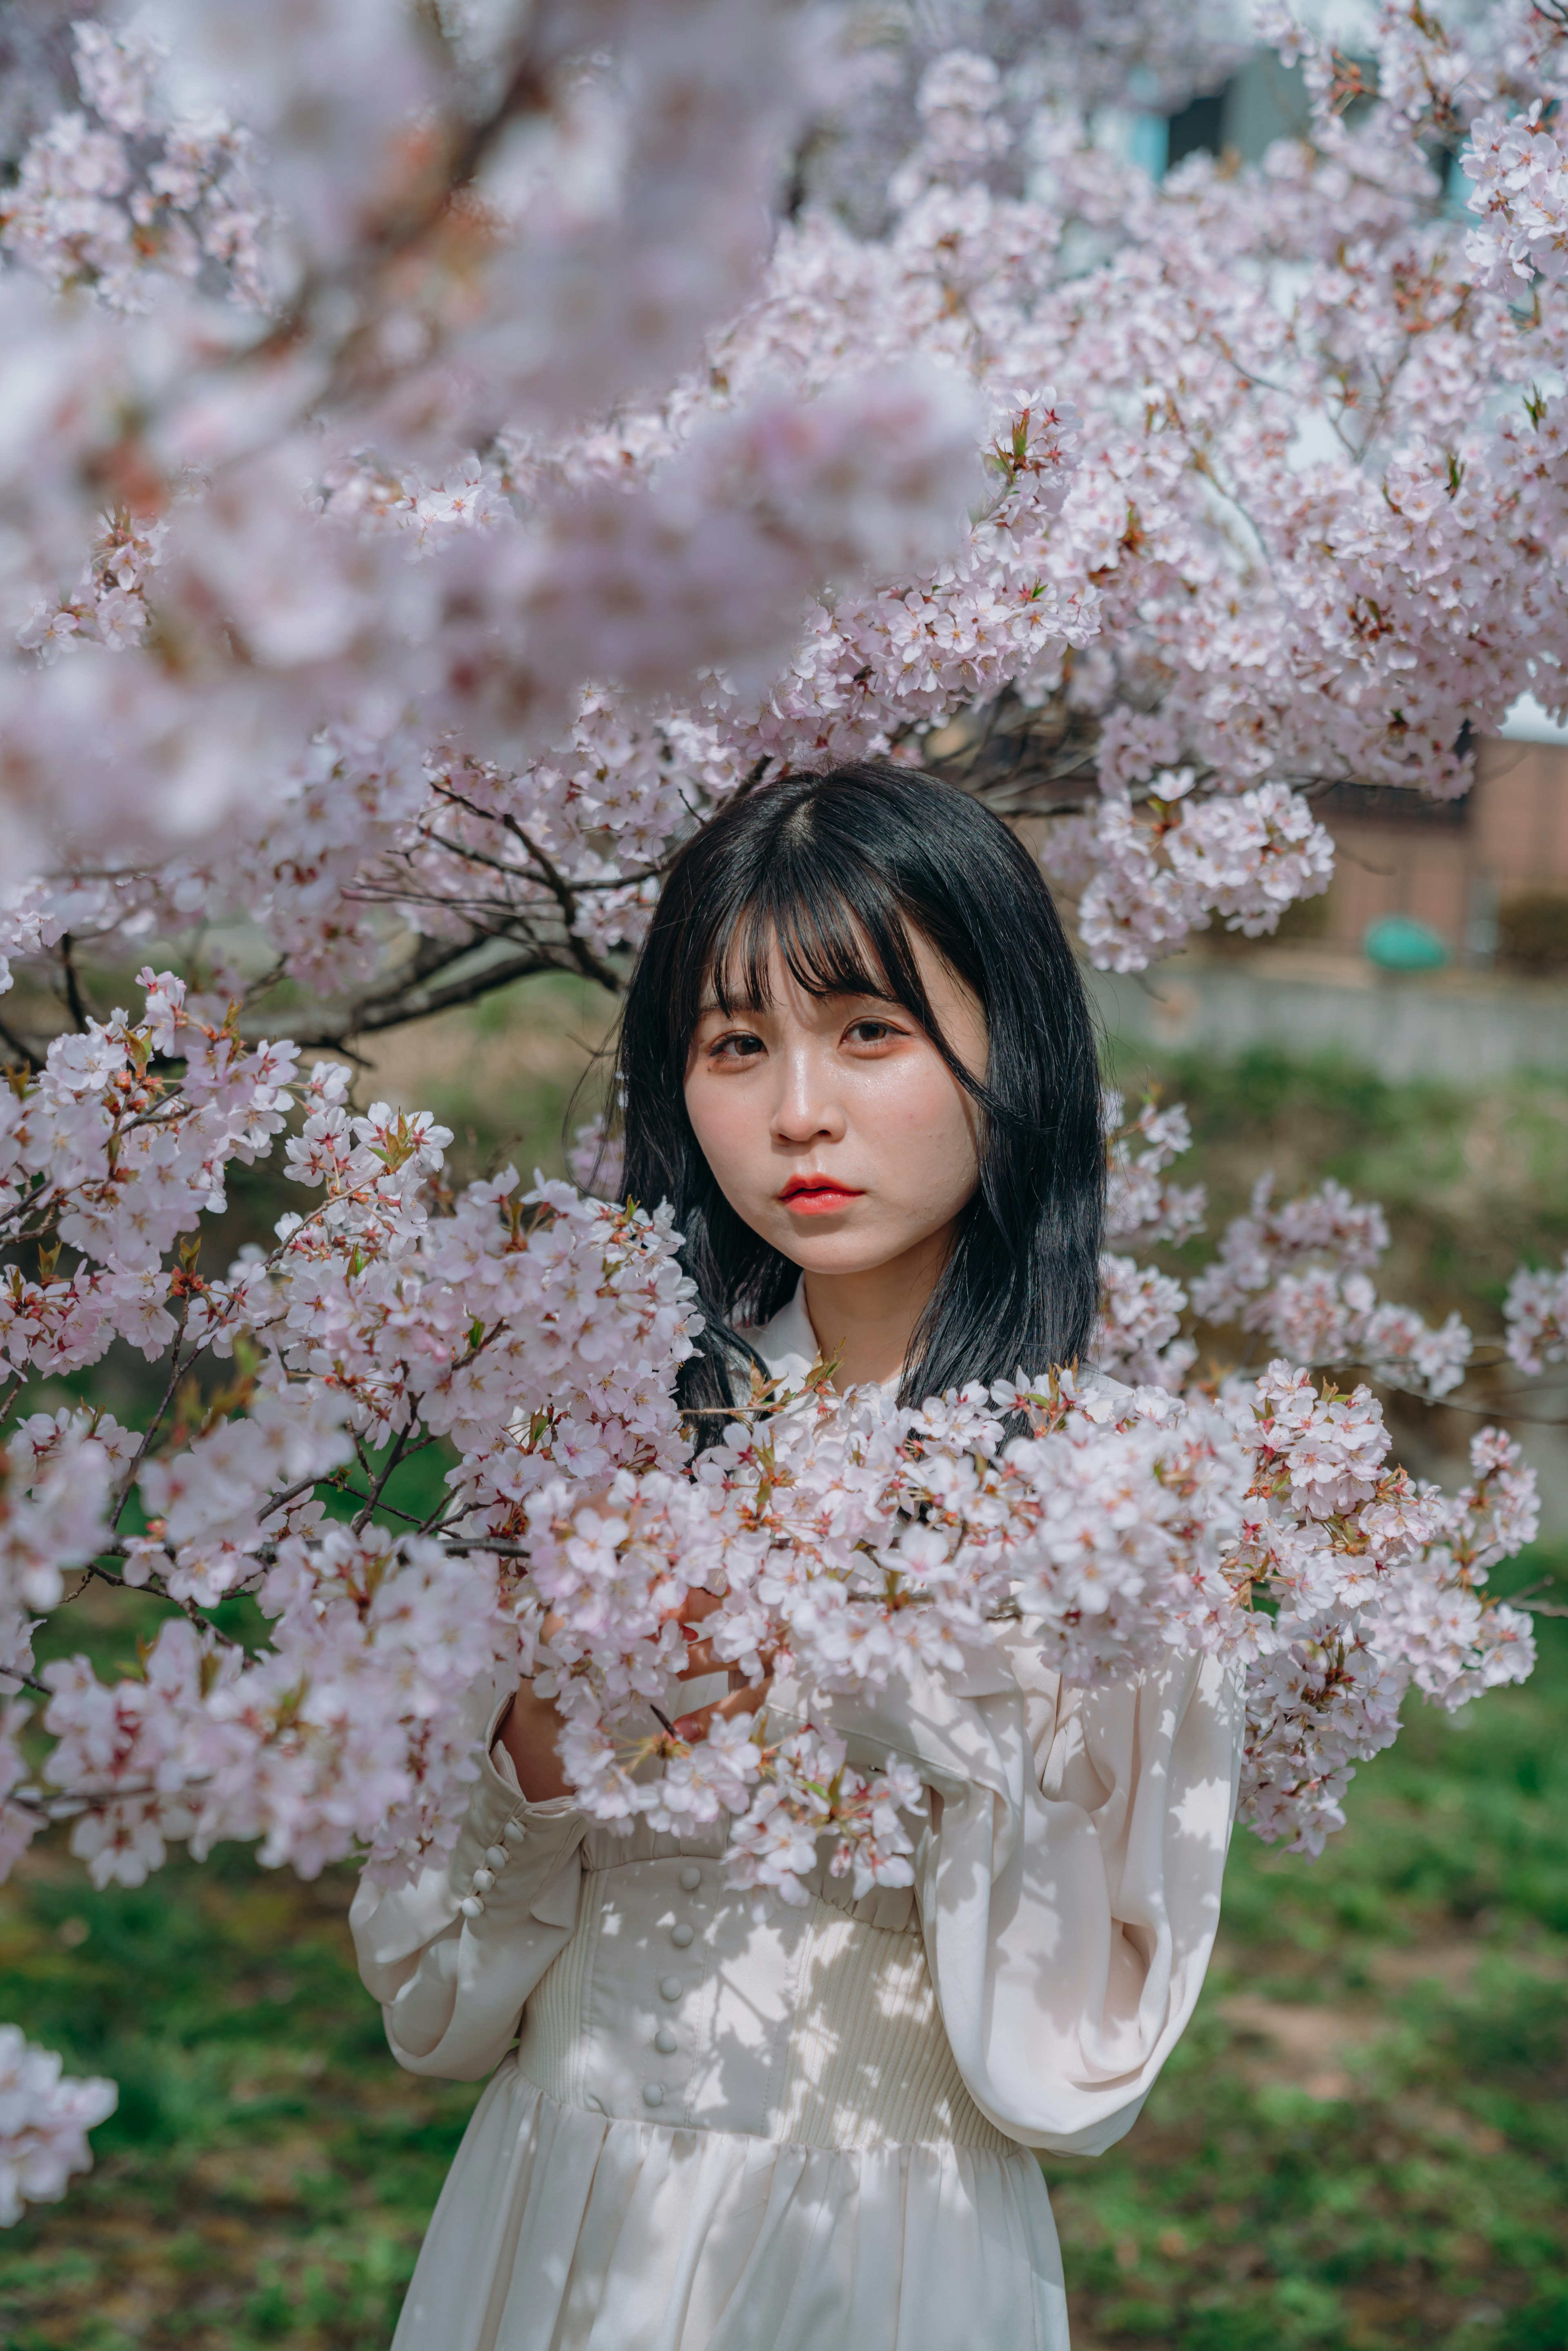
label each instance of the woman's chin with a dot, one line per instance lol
(830, 1245)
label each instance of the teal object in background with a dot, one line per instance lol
(1398, 943)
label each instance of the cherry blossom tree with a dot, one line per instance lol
(433, 485)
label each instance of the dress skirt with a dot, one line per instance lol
(563, 2229)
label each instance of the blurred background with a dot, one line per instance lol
(1363, 2142)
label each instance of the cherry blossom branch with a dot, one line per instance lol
(27, 1680)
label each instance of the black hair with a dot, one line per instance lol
(841, 870)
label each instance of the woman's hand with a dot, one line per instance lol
(745, 1698)
(529, 1732)
(531, 1725)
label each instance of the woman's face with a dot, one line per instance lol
(832, 1126)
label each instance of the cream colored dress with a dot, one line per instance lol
(814, 2133)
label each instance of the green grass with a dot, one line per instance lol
(269, 2171)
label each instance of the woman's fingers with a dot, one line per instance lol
(700, 1660)
(746, 1701)
(695, 1606)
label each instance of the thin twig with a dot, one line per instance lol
(74, 1002)
(28, 1681)
(394, 1456)
(176, 1374)
(592, 966)
(22, 1049)
(419, 1525)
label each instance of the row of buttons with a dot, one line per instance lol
(671, 1987)
(495, 1860)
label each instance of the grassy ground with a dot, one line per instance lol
(1362, 2143)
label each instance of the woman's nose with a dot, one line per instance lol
(808, 1106)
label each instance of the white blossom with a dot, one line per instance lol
(1535, 1313)
(45, 2117)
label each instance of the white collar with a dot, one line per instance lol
(787, 1344)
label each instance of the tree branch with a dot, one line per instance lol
(399, 1447)
(74, 1001)
(28, 1681)
(591, 966)
(33, 1062)
(369, 1016)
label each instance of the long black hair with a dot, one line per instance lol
(839, 871)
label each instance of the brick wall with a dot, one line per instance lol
(1450, 866)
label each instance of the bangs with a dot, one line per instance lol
(837, 926)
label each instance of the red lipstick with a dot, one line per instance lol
(817, 1195)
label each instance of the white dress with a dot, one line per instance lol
(815, 2134)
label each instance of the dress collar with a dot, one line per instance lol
(787, 1344)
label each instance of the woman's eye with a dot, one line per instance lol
(871, 1032)
(737, 1048)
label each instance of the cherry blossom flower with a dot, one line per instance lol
(45, 2118)
(1535, 1313)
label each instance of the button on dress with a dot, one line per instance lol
(702, 2133)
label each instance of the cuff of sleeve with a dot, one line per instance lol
(511, 1854)
(498, 1769)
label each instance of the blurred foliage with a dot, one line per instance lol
(513, 1077)
(1362, 2142)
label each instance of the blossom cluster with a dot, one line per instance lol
(1379, 1586)
(1157, 873)
(851, 1542)
(546, 496)
(44, 2123)
(113, 195)
(1535, 1314)
(1521, 176)
(1298, 1272)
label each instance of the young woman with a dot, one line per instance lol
(857, 1059)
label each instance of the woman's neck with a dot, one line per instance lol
(865, 1321)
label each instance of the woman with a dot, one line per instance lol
(857, 1059)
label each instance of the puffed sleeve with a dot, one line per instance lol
(452, 1964)
(1068, 1883)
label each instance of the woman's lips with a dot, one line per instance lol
(808, 1195)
